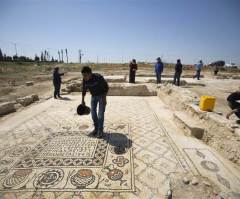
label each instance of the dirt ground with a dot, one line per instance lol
(218, 88)
(14, 76)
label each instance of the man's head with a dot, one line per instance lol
(86, 73)
(56, 69)
(179, 61)
(159, 59)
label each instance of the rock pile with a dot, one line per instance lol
(25, 101)
(7, 107)
(73, 87)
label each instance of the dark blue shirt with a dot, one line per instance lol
(57, 78)
(97, 85)
(159, 67)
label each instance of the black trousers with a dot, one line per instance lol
(158, 76)
(235, 105)
(132, 76)
(57, 88)
(176, 78)
(198, 72)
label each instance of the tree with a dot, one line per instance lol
(42, 56)
(48, 56)
(15, 58)
(8, 58)
(62, 55)
(80, 56)
(52, 60)
(45, 55)
(66, 54)
(59, 58)
(36, 59)
(1, 55)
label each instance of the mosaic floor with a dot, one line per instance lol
(53, 155)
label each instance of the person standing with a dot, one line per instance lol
(98, 87)
(215, 69)
(233, 104)
(57, 82)
(198, 68)
(178, 72)
(159, 69)
(133, 68)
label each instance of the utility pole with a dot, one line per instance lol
(48, 54)
(15, 46)
(80, 56)
(122, 56)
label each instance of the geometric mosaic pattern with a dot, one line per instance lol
(51, 155)
(70, 149)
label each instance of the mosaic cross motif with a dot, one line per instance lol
(66, 149)
(70, 160)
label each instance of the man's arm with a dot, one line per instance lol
(84, 90)
(106, 87)
(231, 112)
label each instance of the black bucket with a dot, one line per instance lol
(83, 110)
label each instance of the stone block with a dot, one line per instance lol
(35, 97)
(7, 107)
(30, 83)
(74, 87)
(119, 78)
(25, 101)
(65, 90)
(189, 125)
(130, 90)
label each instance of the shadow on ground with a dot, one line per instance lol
(119, 143)
(65, 98)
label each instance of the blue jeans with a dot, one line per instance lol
(98, 119)
(198, 72)
(158, 76)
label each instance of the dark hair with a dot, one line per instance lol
(179, 61)
(86, 69)
(56, 69)
(134, 61)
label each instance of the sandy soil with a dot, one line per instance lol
(218, 88)
(12, 85)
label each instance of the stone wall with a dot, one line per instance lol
(220, 133)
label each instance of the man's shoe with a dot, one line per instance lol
(94, 132)
(99, 134)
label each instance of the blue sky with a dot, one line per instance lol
(119, 30)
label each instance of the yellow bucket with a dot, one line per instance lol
(207, 103)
